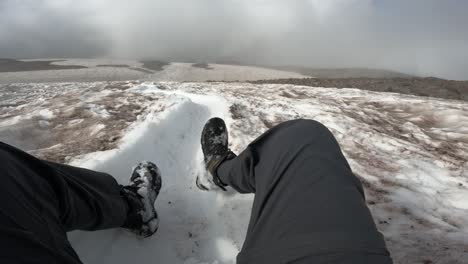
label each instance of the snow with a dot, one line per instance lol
(178, 71)
(95, 62)
(46, 114)
(218, 72)
(74, 75)
(95, 129)
(10, 121)
(410, 152)
(182, 208)
(43, 123)
(172, 72)
(98, 110)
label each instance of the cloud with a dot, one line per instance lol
(424, 37)
(38, 29)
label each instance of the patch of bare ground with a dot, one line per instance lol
(374, 193)
(142, 70)
(433, 87)
(113, 65)
(343, 72)
(294, 94)
(118, 85)
(372, 164)
(154, 65)
(270, 122)
(11, 65)
(205, 66)
(377, 122)
(237, 111)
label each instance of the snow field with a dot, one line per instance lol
(189, 232)
(135, 71)
(180, 72)
(411, 153)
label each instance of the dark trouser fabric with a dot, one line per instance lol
(308, 206)
(41, 201)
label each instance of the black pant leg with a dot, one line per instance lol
(89, 200)
(308, 205)
(41, 201)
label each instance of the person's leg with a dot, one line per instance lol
(308, 204)
(41, 201)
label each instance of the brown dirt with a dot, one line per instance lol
(432, 87)
(154, 65)
(202, 66)
(342, 72)
(237, 111)
(10, 65)
(113, 65)
(142, 70)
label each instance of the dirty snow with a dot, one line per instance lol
(75, 75)
(410, 152)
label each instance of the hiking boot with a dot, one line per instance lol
(141, 194)
(214, 142)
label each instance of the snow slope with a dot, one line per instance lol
(188, 217)
(410, 152)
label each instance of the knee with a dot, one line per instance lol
(308, 126)
(308, 123)
(304, 131)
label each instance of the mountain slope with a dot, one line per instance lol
(410, 152)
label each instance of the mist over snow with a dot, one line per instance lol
(422, 37)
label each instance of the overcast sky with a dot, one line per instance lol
(424, 37)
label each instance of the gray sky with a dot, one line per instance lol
(424, 37)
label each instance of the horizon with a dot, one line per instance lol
(422, 38)
(290, 68)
